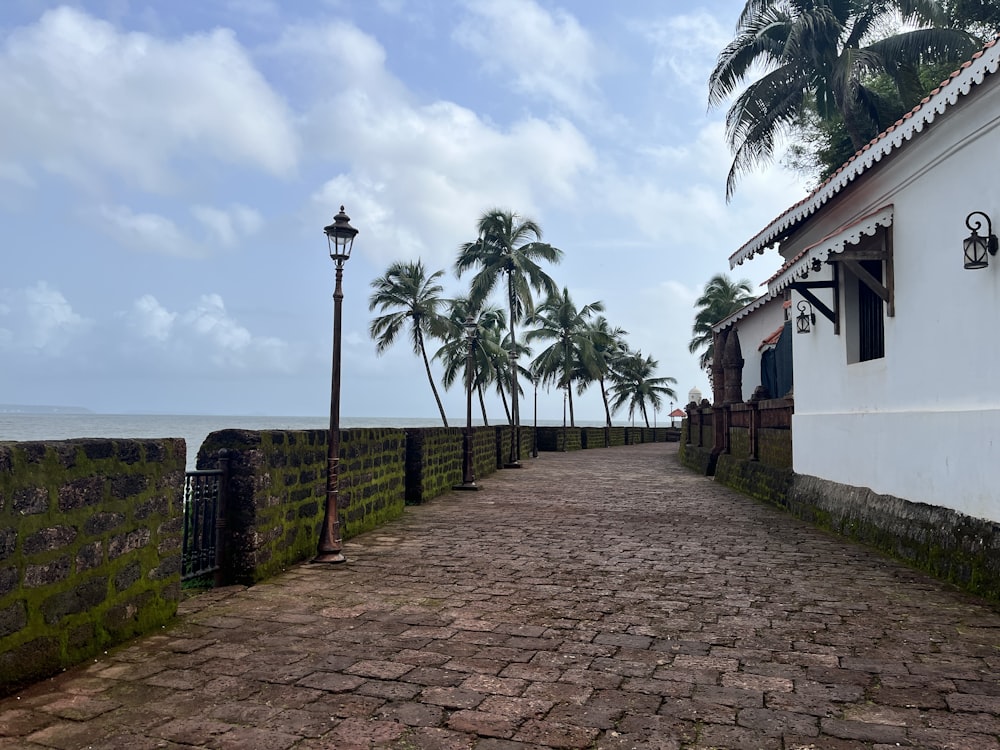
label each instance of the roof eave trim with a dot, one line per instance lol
(836, 243)
(743, 312)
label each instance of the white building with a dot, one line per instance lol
(897, 382)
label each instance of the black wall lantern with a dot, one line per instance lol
(978, 249)
(804, 320)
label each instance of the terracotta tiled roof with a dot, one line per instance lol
(958, 84)
(772, 339)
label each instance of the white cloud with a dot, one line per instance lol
(685, 46)
(16, 175)
(78, 94)
(146, 232)
(421, 175)
(39, 319)
(230, 344)
(227, 227)
(150, 319)
(154, 233)
(549, 55)
(204, 338)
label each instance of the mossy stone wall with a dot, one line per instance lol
(943, 542)
(774, 447)
(277, 492)
(695, 457)
(595, 437)
(754, 478)
(433, 462)
(559, 439)
(90, 548)
(505, 434)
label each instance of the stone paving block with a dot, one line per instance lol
(714, 736)
(449, 697)
(482, 724)
(556, 734)
(516, 708)
(253, 738)
(332, 682)
(79, 707)
(390, 689)
(378, 669)
(358, 734)
(20, 722)
(863, 732)
(973, 702)
(198, 731)
(411, 713)
(435, 738)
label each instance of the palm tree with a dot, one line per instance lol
(408, 296)
(825, 54)
(486, 351)
(509, 246)
(721, 298)
(609, 345)
(572, 348)
(633, 384)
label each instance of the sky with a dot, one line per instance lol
(167, 168)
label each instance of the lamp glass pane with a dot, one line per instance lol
(976, 251)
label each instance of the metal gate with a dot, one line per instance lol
(204, 522)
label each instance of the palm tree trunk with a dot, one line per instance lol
(482, 404)
(569, 390)
(645, 415)
(604, 395)
(430, 378)
(506, 408)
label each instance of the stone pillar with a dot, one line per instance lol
(732, 365)
(719, 426)
(717, 370)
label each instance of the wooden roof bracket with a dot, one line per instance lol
(885, 291)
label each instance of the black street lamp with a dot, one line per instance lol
(534, 436)
(565, 394)
(515, 409)
(340, 238)
(468, 473)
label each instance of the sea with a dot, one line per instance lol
(193, 428)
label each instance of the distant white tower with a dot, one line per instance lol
(694, 395)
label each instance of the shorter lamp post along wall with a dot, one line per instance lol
(534, 436)
(515, 408)
(340, 238)
(565, 395)
(468, 469)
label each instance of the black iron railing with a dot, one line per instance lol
(204, 522)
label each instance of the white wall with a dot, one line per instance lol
(753, 329)
(923, 422)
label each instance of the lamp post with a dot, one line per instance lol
(468, 473)
(515, 410)
(565, 394)
(340, 238)
(534, 436)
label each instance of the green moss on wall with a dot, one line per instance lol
(89, 548)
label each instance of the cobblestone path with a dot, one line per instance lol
(599, 599)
